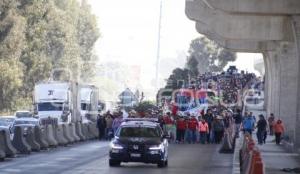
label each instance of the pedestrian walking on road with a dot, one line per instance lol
(181, 125)
(238, 118)
(279, 130)
(101, 125)
(219, 128)
(271, 121)
(192, 130)
(248, 124)
(203, 130)
(261, 129)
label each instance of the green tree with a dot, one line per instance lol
(206, 56)
(39, 36)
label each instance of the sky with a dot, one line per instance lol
(129, 36)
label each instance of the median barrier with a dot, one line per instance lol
(19, 141)
(50, 136)
(39, 138)
(5, 142)
(91, 131)
(59, 135)
(69, 126)
(85, 131)
(73, 132)
(78, 127)
(2, 148)
(30, 139)
(66, 131)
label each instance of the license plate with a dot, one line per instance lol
(135, 155)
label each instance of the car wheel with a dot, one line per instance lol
(114, 163)
(161, 164)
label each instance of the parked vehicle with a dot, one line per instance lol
(6, 122)
(88, 103)
(23, 114)
(59, 101)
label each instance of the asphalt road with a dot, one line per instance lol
(91, 158)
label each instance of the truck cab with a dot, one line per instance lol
(57, 101)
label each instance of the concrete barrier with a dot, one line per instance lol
(94, 130)
(78, 127)
(69, 126)
(77, 139)
(67, 135)
(2, 153)
(59, 135)
(30, 139)
(85, 131)
(19, 141)
(91, 131)
(50, 136)
(2, 147)
(5, 142)
(39, 138)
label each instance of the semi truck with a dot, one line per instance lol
(58, 101)
(89, 97)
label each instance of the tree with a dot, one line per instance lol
(38, 37)
(178, 78)
(206, 56)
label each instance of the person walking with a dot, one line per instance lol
(192, 129)
(109, 131)
(248, 124)
(261, 129)
(203, 130)
(238, 118)
(208, 117)
(117, 122)
(218, 127)
(271, 121)
(101, 125)
(278, 130)
(181, 126)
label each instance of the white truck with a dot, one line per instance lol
(58, 101)
(89, 97)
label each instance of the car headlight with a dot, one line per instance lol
(114, 145)
(157, 147)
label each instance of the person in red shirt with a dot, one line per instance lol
(203, 130)
(181, 127)
(192, 130)
(168, 125)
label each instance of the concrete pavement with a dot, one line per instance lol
(92, 157)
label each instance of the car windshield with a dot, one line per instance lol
(147, 132)
(50, 106)
(23, 114)
(18, 122)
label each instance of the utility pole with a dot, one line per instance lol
(158, 46)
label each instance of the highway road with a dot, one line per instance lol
(92, 158)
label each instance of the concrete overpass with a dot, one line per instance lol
(271, 27)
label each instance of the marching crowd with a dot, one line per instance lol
(207, 126)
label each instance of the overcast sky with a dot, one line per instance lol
(129, 32)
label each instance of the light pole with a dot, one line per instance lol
(158, 46)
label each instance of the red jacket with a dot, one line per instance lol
(193, 124)
(168, 120)
(181, 124)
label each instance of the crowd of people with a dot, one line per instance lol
(208, 125)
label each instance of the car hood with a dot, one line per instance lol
(139, 140)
